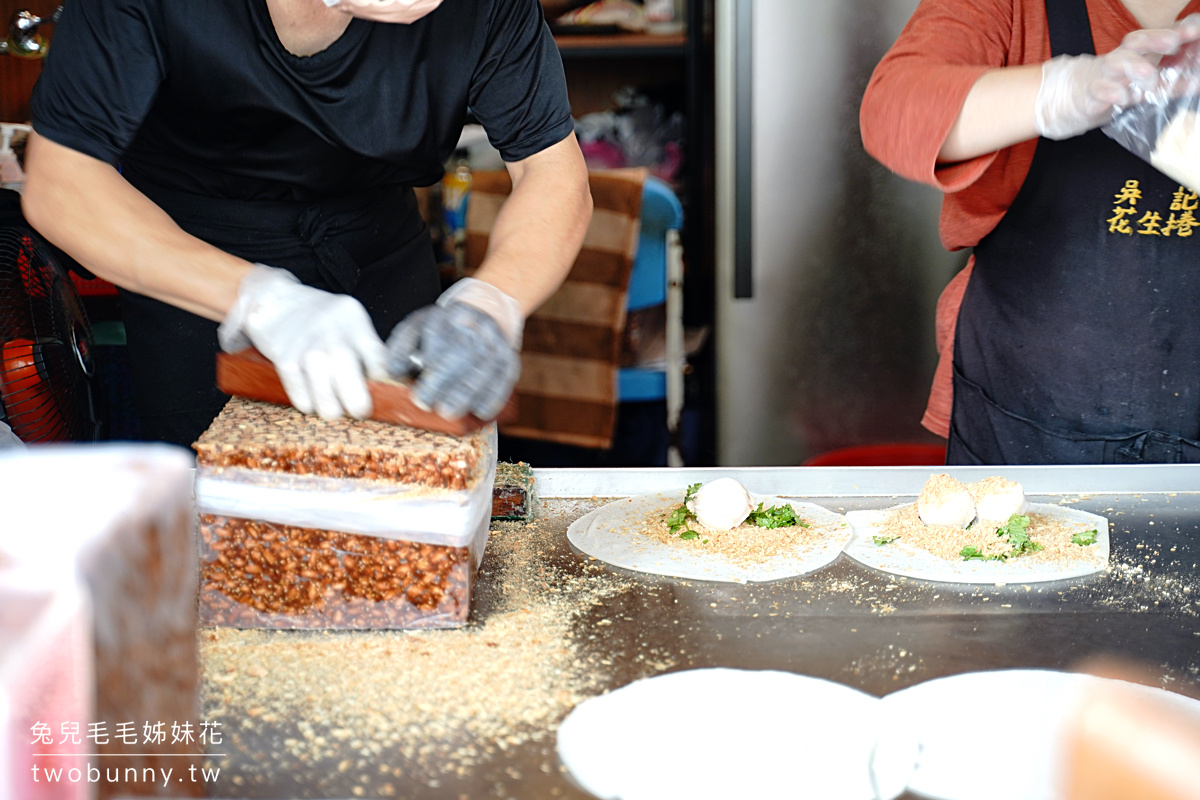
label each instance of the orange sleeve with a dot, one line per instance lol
(917, 90)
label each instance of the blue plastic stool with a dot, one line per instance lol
(657, 278)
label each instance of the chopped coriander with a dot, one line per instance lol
(678, 518)
(975, 554)
(1016, 532)
(882, 540)
(1085, 538)
(776, 517)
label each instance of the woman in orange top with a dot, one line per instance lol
(1070, 336)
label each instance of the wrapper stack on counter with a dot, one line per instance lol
(98, 588)
(930, 740)
(345, 524)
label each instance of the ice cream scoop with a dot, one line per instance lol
(997, 499)
(945, 501)
(721, 504)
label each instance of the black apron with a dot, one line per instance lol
(373, 246)
(1077, 339)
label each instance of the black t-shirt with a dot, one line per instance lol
(200, 96)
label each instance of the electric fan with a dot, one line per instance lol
(46, 366)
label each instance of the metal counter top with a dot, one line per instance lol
(847, 623)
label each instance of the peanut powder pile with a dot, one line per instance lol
(947, 542)
(376, 711)
(986, 486)
(747, 544)
(939, 487)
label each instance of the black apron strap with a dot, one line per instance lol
(1070, 30)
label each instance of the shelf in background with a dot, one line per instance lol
(622, 45)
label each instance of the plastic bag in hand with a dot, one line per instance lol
(1162, 124)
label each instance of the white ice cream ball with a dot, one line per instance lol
(997, 499)
(945, 501)
(721, 504)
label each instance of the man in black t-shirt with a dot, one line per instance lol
(181, 147)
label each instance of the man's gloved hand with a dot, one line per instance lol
(1079, 93)
(320, 343)
(466, 349)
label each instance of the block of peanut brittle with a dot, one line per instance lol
(118, 523)
(343, 524)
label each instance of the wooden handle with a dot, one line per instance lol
(249, 374)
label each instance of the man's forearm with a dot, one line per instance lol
(86, 208)
(540, 228)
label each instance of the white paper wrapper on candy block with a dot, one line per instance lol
(350, 505)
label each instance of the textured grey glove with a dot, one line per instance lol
(465, 348)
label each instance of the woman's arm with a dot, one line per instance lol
(998, 112)
(1061, 98)
(539, 229)
(85, 207)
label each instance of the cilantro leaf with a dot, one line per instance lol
(970, 553)
(882, 540)
(776, 517)
(1085, 538)
(678, 517)
(1016, 532)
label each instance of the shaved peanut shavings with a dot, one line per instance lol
(906, 530)
(394, 713)
(939, 488)
(744, 545)
(988, 486)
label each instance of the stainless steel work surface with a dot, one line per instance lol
(472, 712)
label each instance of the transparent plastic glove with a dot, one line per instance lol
(404, 11)
(465, 348)
(1079, 93)
(320, 343)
